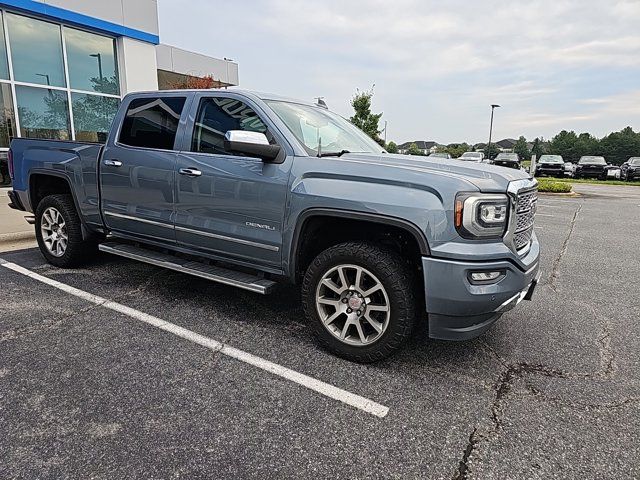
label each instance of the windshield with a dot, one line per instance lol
(317, 128)
(507, 156)
(551, 159)
(471, 156)
(592, 160)
(634, 161)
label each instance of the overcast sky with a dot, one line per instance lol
(437, 65)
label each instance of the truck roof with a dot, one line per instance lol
(249, 93)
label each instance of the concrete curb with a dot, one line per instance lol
(12, 237)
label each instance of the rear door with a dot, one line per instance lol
(234, 207)
(137, 170)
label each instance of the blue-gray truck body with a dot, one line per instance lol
(253, 213)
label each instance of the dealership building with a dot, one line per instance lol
(65, 65)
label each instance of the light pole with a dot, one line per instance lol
(493, 106)
(45, 76)
(99, 57)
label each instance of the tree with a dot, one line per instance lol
(392, 147)
(363, 118)
(538, 148)
(522, 149)
(617, 147)
(564, 143)
(491, 153)
(191, 82)
(457, 149)
(414, 150)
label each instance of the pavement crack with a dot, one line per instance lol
(502, 388)
(556, 263)
(607, 357)
(463, 466)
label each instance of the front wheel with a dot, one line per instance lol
(361, 301)
(59, 232)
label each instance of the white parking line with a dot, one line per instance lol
(311, 383)
(543, 215)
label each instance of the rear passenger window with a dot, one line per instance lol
(152, 122)
(216, 116)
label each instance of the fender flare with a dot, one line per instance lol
(405, 225)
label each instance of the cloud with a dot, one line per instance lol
(436, 65)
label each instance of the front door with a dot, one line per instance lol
(137, 172)
(227, 204)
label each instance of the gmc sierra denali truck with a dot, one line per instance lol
(249, 189)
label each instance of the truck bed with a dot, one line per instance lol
(74, 162)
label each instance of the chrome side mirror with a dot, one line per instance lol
(253, 144)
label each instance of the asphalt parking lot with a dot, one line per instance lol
(552, 391)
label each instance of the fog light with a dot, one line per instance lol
(484, 276)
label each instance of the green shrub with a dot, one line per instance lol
(553, 186)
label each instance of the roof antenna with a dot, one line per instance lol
(321, 103)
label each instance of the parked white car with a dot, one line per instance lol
(472, 157)
(569, 169)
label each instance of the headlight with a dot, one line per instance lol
(481, 215)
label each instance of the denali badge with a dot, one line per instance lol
(259, 225)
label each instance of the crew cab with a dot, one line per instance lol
(250, 189)
(591, 166)
(630, 170)
(550, 165)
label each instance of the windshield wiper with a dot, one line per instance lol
(333, 154)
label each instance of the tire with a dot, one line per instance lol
(398, 293)
(76, 251)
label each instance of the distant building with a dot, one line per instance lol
(506, 145)
(426, 147)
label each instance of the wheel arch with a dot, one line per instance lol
(383, 224)
(59, 183)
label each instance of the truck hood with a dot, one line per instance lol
(485, 177)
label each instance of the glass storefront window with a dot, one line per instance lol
(91, 61)
(53, 68)
(36, 51)
(92, 116)
(7, 120)
(43, 113)
(4, 66)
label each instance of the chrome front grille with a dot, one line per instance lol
(526, 204)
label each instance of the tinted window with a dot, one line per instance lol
(36, 51)
(7, 121)
(43, 113)
(4, 66)
(92, 116)
(216, 116)
(91, 61)
(152, 122)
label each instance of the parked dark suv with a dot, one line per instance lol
(630, 169)
(551, 165)
(591, 167)
(509, 160)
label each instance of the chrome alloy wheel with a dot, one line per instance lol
(54, 232)
(353, 305)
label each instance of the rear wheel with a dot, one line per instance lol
(361, 301)
(59, 232)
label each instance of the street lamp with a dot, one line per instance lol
(45, 76)
(99, 57)
(493, 106)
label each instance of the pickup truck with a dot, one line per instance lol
(249, 189)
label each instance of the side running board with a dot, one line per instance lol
(226, 276)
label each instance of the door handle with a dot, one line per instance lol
(112, 163)
(190, 172)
